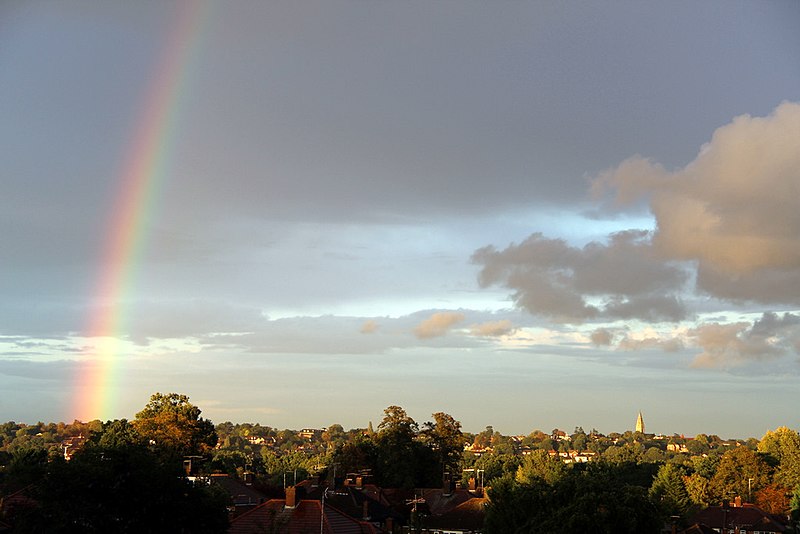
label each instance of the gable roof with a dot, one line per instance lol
(241, 493)
(740, 516)
(467, 516)
(273, 515)
(699, 528)
(352, 501)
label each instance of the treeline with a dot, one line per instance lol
(127, 476)
(637, 480)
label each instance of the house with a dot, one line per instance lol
(294, 515)
(477, 450)
(309, 433)
(15, 504)
(465, 518)
(699, 528)
(741, 518)
(356, 499)
(72, 445)
(677, 447)
(244, 497)
(440, 510)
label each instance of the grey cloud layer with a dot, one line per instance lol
(733, 344)
(619, 280)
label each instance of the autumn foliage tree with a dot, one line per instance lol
(171, 423)
(740, 472)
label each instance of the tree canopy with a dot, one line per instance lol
(172, 423)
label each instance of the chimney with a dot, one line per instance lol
(447, 485)
(294, 495)
(291, 497)
(737, 502)
(472, 484)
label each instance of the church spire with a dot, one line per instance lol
(640, 423)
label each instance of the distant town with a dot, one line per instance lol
(169, 469)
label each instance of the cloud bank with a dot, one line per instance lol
(729, 220)
(732, 212)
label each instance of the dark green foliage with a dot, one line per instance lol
(124, 487)
(493, 466)
(355, 456)
(669, 493)
(399, 455)
(401, 461)
(25, 466)
(444, 437)
(596, 500)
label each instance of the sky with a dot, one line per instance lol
(530, 215)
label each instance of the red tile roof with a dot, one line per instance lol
(302, 519)
(740, 516)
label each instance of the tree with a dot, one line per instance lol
(579, 440)
(697, 488)
(783, 445)
(794, 505)
(740, 472)
(444, 436)
(396, 422)
(597, 500)
(125, 487)
(669, 493)
(539, 465)
(334, 435)
(401, 460)
(171, 423)
(118, 433)
(484, 439)
(698, 446)
(773, 499)
(514, 507)
(592, 499)
(705, 466)
(355, 456)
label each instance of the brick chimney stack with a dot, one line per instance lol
(293, 496)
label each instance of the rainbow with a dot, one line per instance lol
(142, 175)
